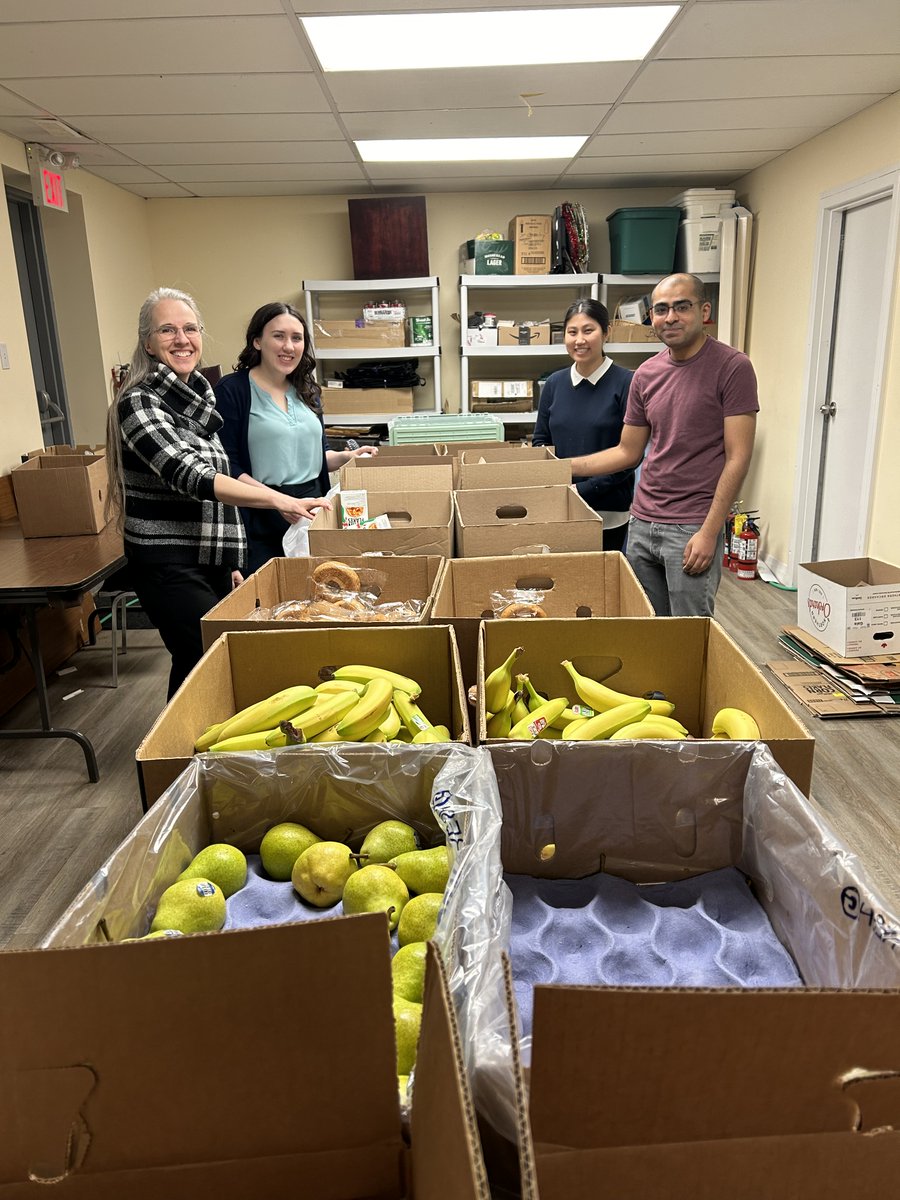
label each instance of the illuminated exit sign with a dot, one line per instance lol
(53, 190)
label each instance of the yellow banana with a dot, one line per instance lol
(605, 724)
(645, 730)
(391, 724)
(539, 720)
(735, 725)
(363, 674)
(500, 723)
(568, 714)
(520, 707)
(572, 726)
(498, 684)
(268, 713)
(377, 735)
(601, 698)
(670, 722)
(339, 685)
(437, 733)
(247, 741)
(208, 737)
(409, 712)
(327, 735)
(327, 711)
(369, 710)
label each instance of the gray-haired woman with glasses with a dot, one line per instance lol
(169, 484)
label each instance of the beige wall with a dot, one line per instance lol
(784, 197)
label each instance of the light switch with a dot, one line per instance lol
(4, 357)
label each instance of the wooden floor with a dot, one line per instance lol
(57, 828)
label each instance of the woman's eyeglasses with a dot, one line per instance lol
(680, 306)
(167, 332)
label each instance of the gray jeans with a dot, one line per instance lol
(656, 552)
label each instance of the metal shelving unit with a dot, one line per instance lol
(622, 285)
(314, 288)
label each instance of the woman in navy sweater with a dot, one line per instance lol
(583, 406)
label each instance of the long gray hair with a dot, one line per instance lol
(142, 364)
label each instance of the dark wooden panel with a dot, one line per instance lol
(389, 237)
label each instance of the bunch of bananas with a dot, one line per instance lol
(356, 703)
(520, 712)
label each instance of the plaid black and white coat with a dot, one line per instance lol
(171, 454)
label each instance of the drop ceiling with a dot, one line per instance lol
(226, 98)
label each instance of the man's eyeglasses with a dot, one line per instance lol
(167, 332)
(680, 307)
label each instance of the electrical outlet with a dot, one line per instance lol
(4, 357)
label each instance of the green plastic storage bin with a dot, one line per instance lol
(642, 240)
(440, 427)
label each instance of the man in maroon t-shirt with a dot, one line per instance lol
(695, 403)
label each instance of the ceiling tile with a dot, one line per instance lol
(264, 173)
(319, 7)
(676, 180)
(282, 188)
(487, 122)
(697, 140)
(126, 173)
(180, 153)
(92, 152)
(497, 87)
(209, 127)
(817, 112)
(192, 45)
(155, 190)
(175, 94)
(12, 105)
(93, 10)
(711, 79)
(752, 28)
(480, 183)
(654, 163)
(456, 170)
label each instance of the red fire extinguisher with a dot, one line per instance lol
(745, 548)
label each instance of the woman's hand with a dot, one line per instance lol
(292, 509)
(236, 579)
(362, 452)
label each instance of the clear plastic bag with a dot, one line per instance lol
(518, 602)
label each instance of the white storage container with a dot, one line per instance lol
(699, 203)
(698, 246)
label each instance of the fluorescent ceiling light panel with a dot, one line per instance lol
(469, 149)
(512, 37)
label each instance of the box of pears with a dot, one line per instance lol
(673, 680)
(247, 669)
(264, 938)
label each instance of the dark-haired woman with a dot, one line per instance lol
(274, 434)
(583, 406)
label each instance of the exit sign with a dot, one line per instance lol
(53, 190)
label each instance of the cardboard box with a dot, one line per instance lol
(487, 258)
(691, 660)
(241, 668)
(400, 475)
(502, 395)
(852, 605)
(531, 238)
(629, 331)
(482, 337)
(537, 334)
(516, 520)
(366, 400)
(572, 585)
(61, 495)
(400, 578)
(421, 523)
(80, 448)
(751, 1086)
(349, 334)
(500, 467)
(91, 1050)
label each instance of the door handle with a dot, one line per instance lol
(828, 409)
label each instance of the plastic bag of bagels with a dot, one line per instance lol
(518, 602)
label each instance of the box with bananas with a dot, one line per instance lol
(619, 679)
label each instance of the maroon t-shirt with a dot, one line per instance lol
(685, 405)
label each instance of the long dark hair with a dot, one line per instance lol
(591, 308)
(303, 376)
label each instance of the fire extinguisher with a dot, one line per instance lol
(746, 550)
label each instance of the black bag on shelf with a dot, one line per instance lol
(394, 373)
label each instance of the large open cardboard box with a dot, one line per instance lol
(571, 585)
(511, 520)
(61, 495)
(242, 668)
(696, 1093)
(421, 523)
(258, 1063)
(433, 475)
(691, 660)
(396, 579)
(506, 466)
(852, 605)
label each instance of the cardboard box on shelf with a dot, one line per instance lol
(482, 337)
(365, 400)
(527, 466)
(325, 988)
(348, 335)
(630, 331)
(61, 495)
(421, 523)
(241, 668)
(486, 257)
(691, 660)
(502, 395)
(392, 579)
(537, 334)
(851, 604)
(514, 520)
(570, 585)
(531, 238)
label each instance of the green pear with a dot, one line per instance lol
(403, 1087)
(418, 920)
(376, 888)
(282, 845)
(321, 872)
(387, 839)
(423, 870)
(407, 1023)
(190, 906)
(408, 971)
(159, 933)
(225, 865)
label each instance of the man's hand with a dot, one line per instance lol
(698, 553)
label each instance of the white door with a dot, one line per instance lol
(852, 294)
